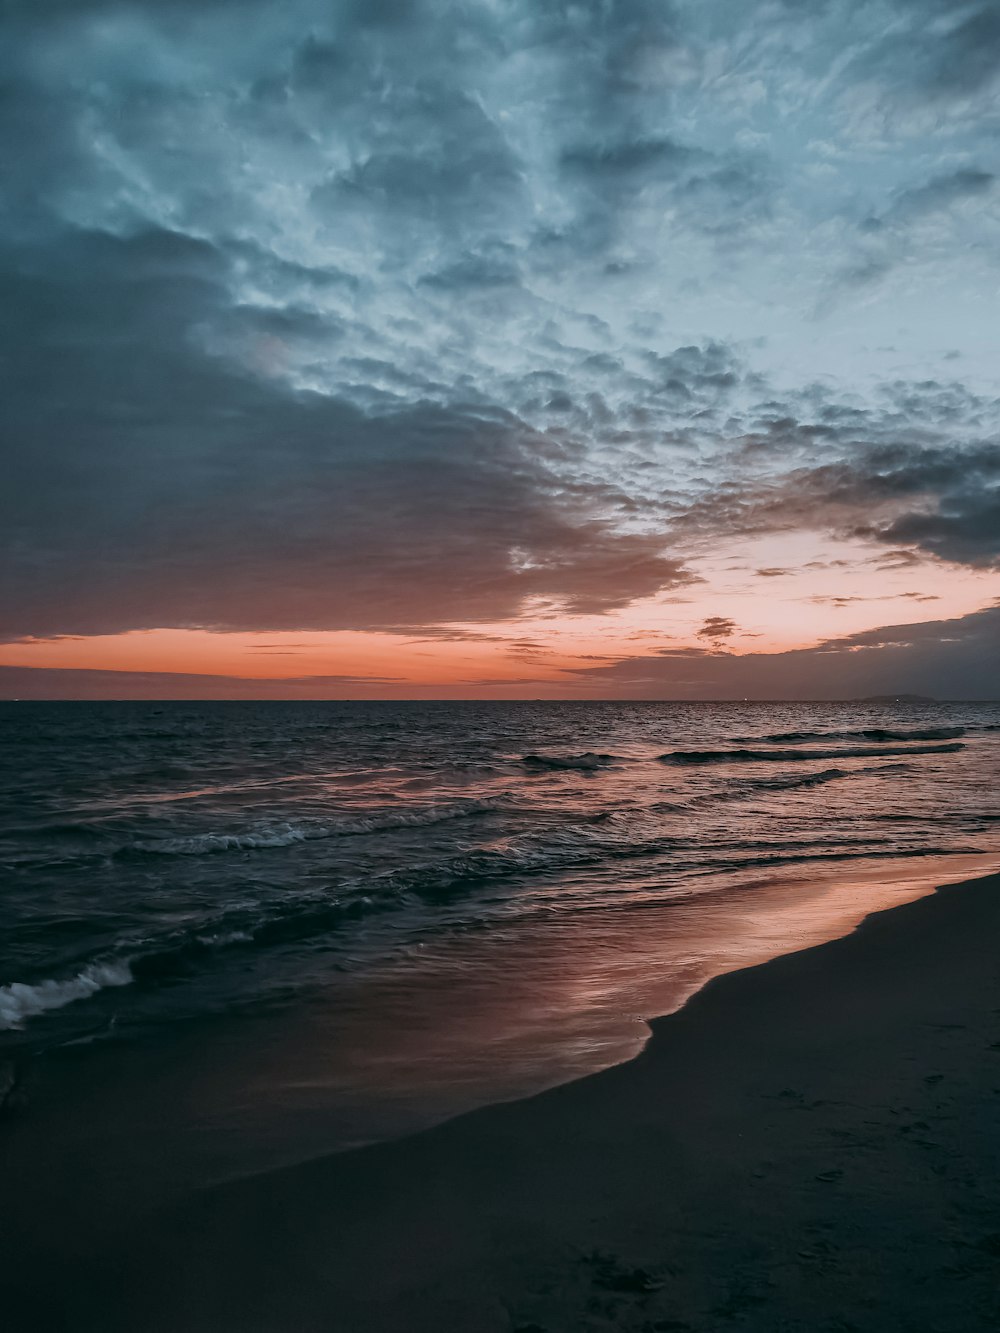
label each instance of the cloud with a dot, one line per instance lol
(934, 196)
(940, 50)
(923, 497)
(918, 224)
(160, 484)
(964, 527)
(949, 659)
(717, 627)
(156, 483)
(344, 315)
(53, 683)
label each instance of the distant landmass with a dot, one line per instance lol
(896, 699)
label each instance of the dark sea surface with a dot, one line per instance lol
(494, 878)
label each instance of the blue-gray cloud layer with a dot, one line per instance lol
(331, 315)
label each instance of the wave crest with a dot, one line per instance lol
(791, 756)
(20, 1000)
(587, 763)
(875, 735)
(286, 834)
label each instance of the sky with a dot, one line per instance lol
(490, 348)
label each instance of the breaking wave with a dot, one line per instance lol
(797, 780)
(744, 789)
(290, 844)
(20, 1001)
(585, 762)
(804, 780)
(286, 834)
(875, 735)
(791, 756)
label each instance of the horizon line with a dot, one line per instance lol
(472, 699)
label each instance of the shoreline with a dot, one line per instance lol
(108, 1134)
(806, 1140)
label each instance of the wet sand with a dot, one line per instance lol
(809, 1144)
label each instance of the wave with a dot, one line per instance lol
(442, 881)
(20, 1000)
(805, 780)
(790, 756)
(156, 959)
(286, 834)
(164, 958)
(587, 763)
(745, 789)
(878, 735)
(864, 853)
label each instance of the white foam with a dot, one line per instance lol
(20, 1001)
(225, 937)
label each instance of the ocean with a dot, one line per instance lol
(332, 922)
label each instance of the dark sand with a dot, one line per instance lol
(811, 1144)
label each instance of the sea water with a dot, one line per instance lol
(345, 919)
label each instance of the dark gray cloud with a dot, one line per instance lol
(964, 526)
(932, 499)
(161, 484)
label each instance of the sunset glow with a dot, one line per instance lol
(757, 598)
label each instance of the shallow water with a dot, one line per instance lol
(330, 922)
